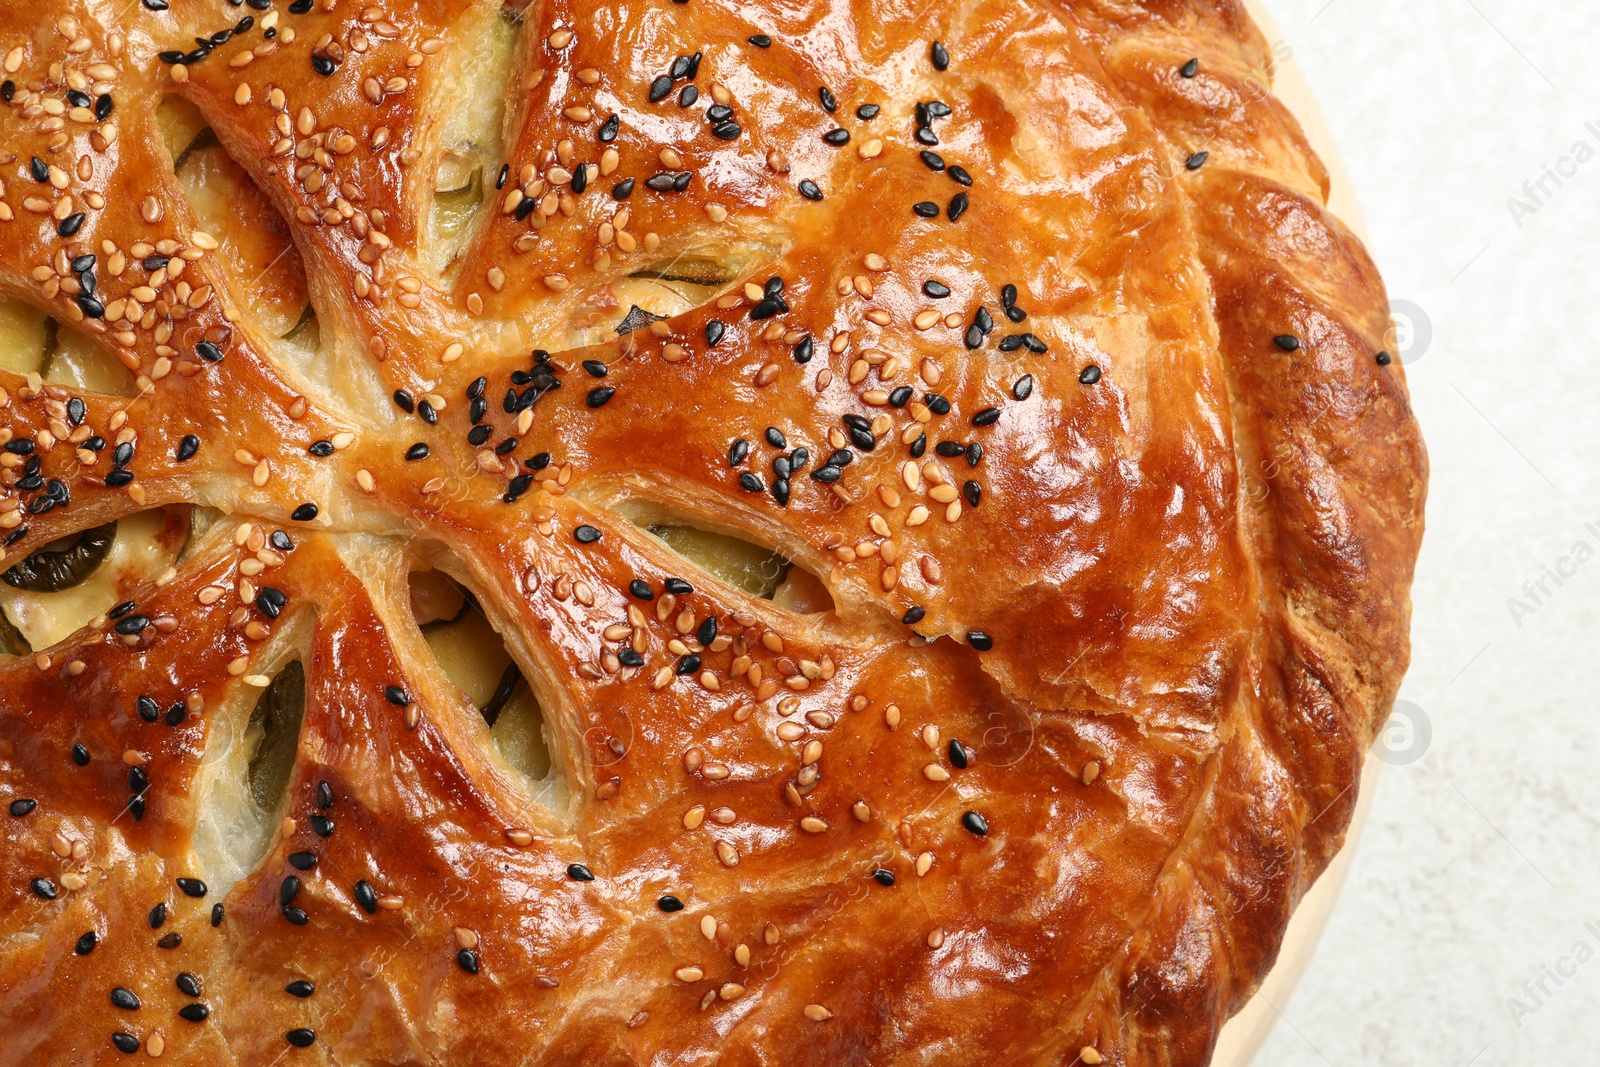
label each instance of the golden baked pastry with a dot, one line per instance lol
(675, 533)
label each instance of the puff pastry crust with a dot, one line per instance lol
(1115, 498)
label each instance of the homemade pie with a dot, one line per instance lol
(830, 533)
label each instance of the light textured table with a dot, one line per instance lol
(1468, 930)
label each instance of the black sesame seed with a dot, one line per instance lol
(125, 999)
(609, 129)
(302, 861)
(324, 795)
(305, 512)
(936, 290)
(826, 475)
(986, 417)
(322, 64)
(188, 984)
(959, 175)
(669, 904)
(760, 40)
(192, 887)
(975, 824)
(751, 482)
(70, 225)
(940, 56)
(707, 632)
(594, 368)
(714, 332)
(302, 1037)
(687, 96)
(579, 873)
(467, 960)
(133, 623)
(404, 401)
(798, 459)
(629, 658)
(1288, 342)
(288, 889)
(417, 451)
(641, 589)
(837, 136)
(138, 780)
(90, 306)
(958, 206)
(622, 190)
(766, 309)
(803, 351)
(718, 113)
(727, 130)
(296, 916)
(1196, 161)
(585, 535)
(1089, 375)
(426, 413)
(22, 807)
(500, 179)
(825, 96)
(1022, 388)
(216, 915)
(80, 755)
(598, 397)
(660, 88)
(538, 461)
(188, 447)
(973, 492)
(913, 616)
(44, 888)
(136, 808)
(661, 183)
(867, 112)
(899, 397)
(1016, 314)
(1033, 344)
(1384, 359)
(775, 437)
(937, 404)
(300, 988)
(974, 454)
(1011, 342)
(367, 897)
(194, 1013)
(8, 90)
(678, 587)
(321, 825)
(86, 943)
(478, 435)
(126, 1043)
(39, 169)
(949, 449)
(810, 190)
(396, 695)
(1191, 68)
(883, 877)
(926, 209)
(932, 160)
(208, 352)
(958, 755)
(980, 640)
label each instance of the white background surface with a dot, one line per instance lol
(1480, 867)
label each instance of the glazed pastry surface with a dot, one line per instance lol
(1015, 337)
